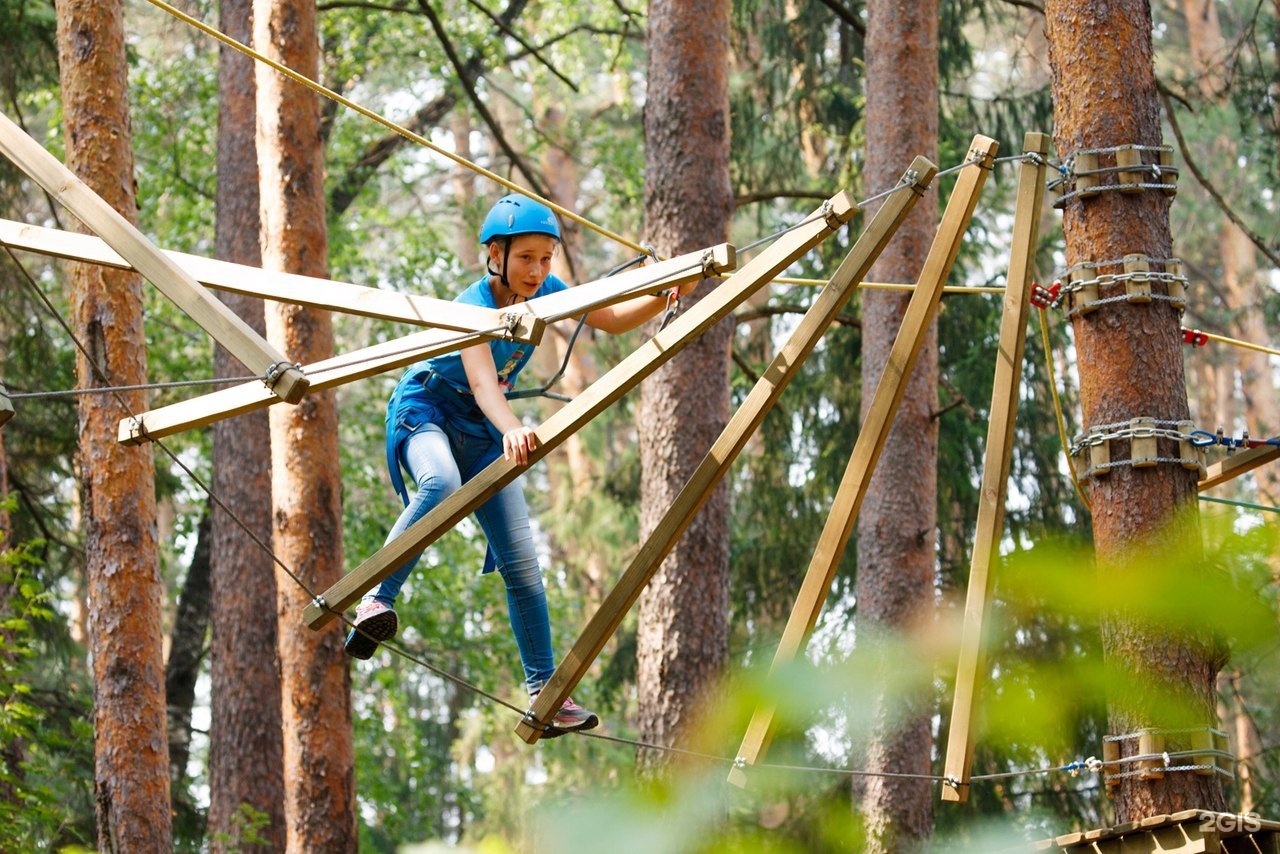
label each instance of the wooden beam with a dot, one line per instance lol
(996, 463)
(330, 373)
(730, 443)
(535, 314)
(6, 406)
(226, 327)
(282, 287)
(871, 438)
(1237, 464)
(711, 308)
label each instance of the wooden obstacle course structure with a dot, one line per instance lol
(285, 381)
(338, 370)
(996, 462)
(733, 438)
(710, 309)
(871, 440)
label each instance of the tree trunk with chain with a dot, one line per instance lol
(1130, 358)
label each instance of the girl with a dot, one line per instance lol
(449, 418)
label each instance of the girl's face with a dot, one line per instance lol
(528, 262)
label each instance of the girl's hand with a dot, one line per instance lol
(517, 443)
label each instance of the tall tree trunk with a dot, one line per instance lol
(682, 639)
(897, 529)
(12, 751)
(246, 748)
(186, 652)
(131, 749)
(305, 475)
(1130, 359)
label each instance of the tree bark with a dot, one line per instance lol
(897, 529)
(246, 749)
(1130, 359)
(186, 652)
(305, 474)
(682, 639)
(131, 750)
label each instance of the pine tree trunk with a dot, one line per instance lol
(1130, 359)
(186, 652)
(246, 751)
(305, 475)
(131, 774)
(682, 639)
(897, 529)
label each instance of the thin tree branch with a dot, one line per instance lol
(468, 85)
(770, 195)
(1208, 186)
(355, 4)
(781, 309)
(532, 51)
(358, 174)
(847, 15)
(1025, 4)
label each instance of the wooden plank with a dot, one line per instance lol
(226, 327)
(253, 395)
(206, 409)
(628, 373)
(995, 465)
(282, 287)
(733, 438)
(871, 438)
(1237, 464)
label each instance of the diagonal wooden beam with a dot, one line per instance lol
(535, 314)
(227, 328)
(995, 465)
(627, 374)
(871, 438)
(741, 427)
(1237, 464)
(283, 287)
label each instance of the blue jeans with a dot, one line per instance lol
(440, 460)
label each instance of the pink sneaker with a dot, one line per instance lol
(374, 623)
(570, 718)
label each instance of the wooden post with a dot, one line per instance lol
(995, 466)
(1151, 743)
(284, 287)
(6, 406)
(1087, 180)
(871, 439)
(1138, 287)
(1083, 301)
(1170, 176)
(1110, 756)
(1143, 450)
(730, 443)
(1129, 155)
(224, 325)
(1176, 288)
(717, 304)
(531, 316)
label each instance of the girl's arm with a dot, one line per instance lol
(628, 315)
(482, 375)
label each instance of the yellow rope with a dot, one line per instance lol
(1057, 409)
(387, 123)
(1236, 342)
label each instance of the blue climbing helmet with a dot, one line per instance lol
(515, 214)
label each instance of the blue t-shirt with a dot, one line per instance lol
(412, 404)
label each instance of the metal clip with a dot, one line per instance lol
(318, 601)
(829, 216)
(276, 371)
(708, 260)
(511, 319)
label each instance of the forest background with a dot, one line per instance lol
(436, 761)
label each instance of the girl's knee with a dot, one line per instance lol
(439, 482)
